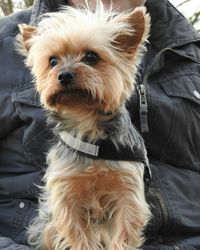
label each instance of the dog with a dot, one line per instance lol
(84, 63)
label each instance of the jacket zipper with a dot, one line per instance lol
(165, 212)
(163, 207)
(143, 108)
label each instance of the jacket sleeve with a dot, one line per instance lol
(8, 244)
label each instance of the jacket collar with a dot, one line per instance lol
(169, 27)
(39, 8)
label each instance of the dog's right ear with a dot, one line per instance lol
(24, 37)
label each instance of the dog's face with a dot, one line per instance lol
(85, 59)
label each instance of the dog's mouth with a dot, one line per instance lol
(63, 96)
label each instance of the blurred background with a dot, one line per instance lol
(189, 8)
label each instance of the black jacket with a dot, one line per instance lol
(171, 74)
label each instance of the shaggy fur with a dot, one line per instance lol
(88, 204)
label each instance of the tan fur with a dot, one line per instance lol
(107, 196)
(88, 205)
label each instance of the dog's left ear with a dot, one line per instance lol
(23, 38)
(139, 28)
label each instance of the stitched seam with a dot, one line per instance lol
(8, 34)
(175, 75)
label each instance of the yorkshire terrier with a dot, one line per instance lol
(84, 63)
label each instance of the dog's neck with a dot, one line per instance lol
(115, 134)
(94, 125)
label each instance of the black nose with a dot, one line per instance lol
(66, 78)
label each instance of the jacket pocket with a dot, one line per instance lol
(183, 146)
(37, 135)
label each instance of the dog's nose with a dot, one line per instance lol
(66, 78)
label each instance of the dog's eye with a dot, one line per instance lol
(53, 61)
(91, 58)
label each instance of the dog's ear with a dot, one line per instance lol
(128, 41)
(23, 38)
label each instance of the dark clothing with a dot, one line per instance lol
(171, 74)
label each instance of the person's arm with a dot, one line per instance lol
(8, 244)
(13, 220)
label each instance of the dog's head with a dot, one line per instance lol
(85, 58)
